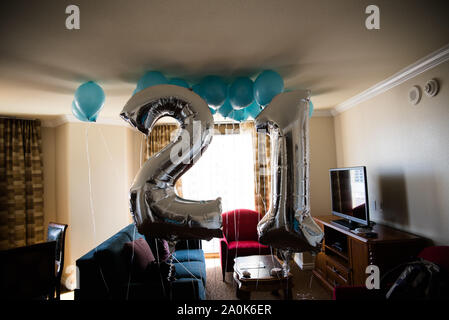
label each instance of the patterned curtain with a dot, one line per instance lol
(21, 183)
(262, 174)
(160, 136)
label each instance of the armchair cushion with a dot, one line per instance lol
(240, 224)
(247, 248)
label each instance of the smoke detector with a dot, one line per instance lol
(431, 88)
(414, 95)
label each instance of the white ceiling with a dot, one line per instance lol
(320, 45)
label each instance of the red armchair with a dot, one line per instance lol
(239, 237)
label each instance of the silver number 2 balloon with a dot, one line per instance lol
(288, 224)
(157, 210)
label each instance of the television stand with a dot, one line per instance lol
(345, 255)
(347, 224)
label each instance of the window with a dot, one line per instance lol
(226, 170)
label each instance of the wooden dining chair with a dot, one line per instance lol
(56, 232)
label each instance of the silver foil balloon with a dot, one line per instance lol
(288, 224)
(157, 210)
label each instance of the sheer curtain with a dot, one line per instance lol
(226, 170)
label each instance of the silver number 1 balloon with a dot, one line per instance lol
(157, 210)
(288, 224)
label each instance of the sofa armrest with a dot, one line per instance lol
(188, 289)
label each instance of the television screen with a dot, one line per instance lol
(349, 194)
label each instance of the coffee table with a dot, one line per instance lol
(260, 279)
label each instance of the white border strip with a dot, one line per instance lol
(428, 62)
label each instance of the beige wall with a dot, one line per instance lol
(406, 151)
(322, 158)
(114, 160)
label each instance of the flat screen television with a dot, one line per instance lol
(349, 193)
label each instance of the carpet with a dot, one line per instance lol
(305, 286)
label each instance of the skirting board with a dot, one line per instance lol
(303, 265)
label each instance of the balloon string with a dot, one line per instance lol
(188, 260)
(180, 263)
(132, 259)
(141, 151)
(235, 212)
(91, 201)
(160, 275)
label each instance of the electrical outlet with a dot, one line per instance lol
(374, 205)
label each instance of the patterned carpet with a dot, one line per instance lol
(305, 286)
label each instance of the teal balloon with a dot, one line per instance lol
(238, 115)
(196, 89)
(310, 109)
(268, 84)
(213, 90)
(77, 113)
(253, 110)
(241, 92)
(89, 99)
(179, 82)
(225, 109)
(151, 78)
(213, 111)
(80, 116)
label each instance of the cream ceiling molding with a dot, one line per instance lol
(60, 120)
(428, 62)
(322, 113)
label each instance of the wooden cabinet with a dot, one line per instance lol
(345, 255)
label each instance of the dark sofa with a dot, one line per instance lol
(104, 273)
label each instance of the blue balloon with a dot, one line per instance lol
(196, 89)
(238, 115)
(225, 109)
(253, 110)
(213, 90)
(78, 114)
(310, 108)
(151, 78)
(179, 82)
(267, 85)
(241, 92)
(89, 99)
